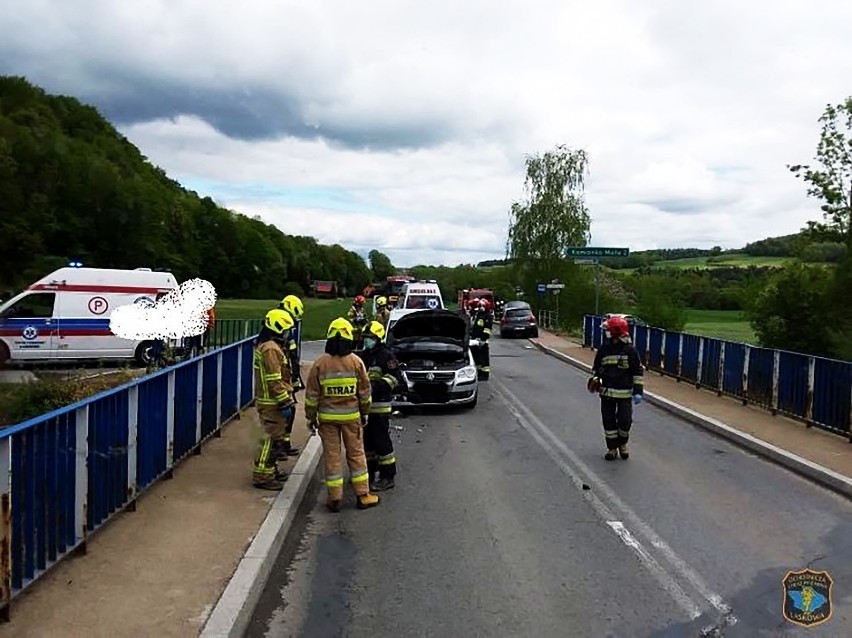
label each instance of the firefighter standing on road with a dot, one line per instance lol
(382, 312)
(338, 399)
(293, 306)
(358, 318)
(383, 371)
(618, 377)
(273, 397)
(481, 329)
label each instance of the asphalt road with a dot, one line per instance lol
(490, 531)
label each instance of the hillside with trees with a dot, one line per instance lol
(71, 187)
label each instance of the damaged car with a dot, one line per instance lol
(436, 363)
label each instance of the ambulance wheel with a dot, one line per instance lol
(4, 355)
(143, 354)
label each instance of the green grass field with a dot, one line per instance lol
(738, 261)
(730, 325)
(318, 312)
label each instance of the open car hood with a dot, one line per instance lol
(442, 324)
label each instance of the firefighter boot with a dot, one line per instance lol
(273, 483)
(382, 485)
(366, 501)
(611, 455)
(624, 451)
(333, 505)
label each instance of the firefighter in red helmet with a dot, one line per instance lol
(481, 325)
(618, 379)
(358, 318)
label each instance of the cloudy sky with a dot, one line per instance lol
(403, 125)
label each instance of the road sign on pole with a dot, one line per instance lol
(585, 262)
(591, 251)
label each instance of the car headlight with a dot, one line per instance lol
(468, 372)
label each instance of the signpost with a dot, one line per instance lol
(591, 255)
(590, 251)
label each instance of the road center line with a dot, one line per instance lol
(567, 462)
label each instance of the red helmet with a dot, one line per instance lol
(617, 327)
(486, 304)
(359, 300)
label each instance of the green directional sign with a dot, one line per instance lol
(589, 251)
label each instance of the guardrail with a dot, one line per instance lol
(66, 473)
(228, 331)
(815, 390)
(547, 319)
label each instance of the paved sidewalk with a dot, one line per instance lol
(160, 570)
(813, 444)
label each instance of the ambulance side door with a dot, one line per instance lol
(29, 327)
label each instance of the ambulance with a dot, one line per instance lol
(418, 295)
(65, 315)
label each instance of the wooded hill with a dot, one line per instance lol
(72, 187)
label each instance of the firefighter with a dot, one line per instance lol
(273, 397)
(382, 312)
(358, 319)
(383, 371)
(618, 378)
(292, 305)
(482, 323)
(337, 403)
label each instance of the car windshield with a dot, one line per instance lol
(422, 302)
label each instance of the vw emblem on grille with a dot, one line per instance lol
(430, 376)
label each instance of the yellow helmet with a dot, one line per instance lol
(278, 320)
(381, 301)
(293, 305)
(341, 327)
(377, 330)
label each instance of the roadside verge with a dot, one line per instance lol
(802, 466)
(233, 611)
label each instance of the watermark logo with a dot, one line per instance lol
(807, 597)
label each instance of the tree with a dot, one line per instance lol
(832, 181)
(554, 216)
(793, 311)
(380, 265)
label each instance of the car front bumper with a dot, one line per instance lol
(437, 394)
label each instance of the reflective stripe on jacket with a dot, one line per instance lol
(338, 390)
(273, 380)
(383, 372)
(620, 370)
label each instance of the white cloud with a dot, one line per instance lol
(689, 111)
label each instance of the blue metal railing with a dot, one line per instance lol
(65, 473)
(815, 390)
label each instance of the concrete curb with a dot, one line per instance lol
(822, 475)
(233, 612)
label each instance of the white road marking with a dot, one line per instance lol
(567, 461)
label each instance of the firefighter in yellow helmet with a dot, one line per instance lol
(383, 370)
(273, 397)
(296, 309)
(382, 312)
(337, 402)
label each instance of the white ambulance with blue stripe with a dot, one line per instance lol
(65, 315)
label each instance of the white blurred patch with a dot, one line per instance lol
(181, 313)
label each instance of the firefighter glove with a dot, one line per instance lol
(637, 399)
(287, 412)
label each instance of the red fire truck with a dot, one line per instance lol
(469, 294)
